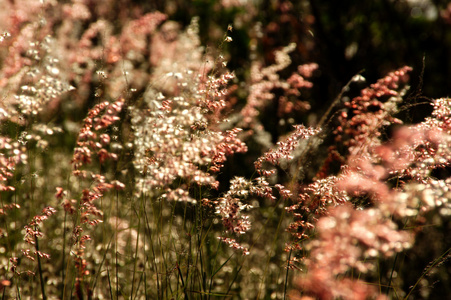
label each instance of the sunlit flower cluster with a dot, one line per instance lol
(284, 149)
(264, 80)
(176, 137)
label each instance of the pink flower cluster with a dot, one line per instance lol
(366, 114)
(232, 204)
(89, 141)
(349, 239)
(284, 149)
(312, 203)
(177, 132)
(92, 142)
(32, 234)
(12, 153)
(265, 79)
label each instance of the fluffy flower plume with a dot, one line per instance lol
(178, 137)
(284, 149)
(349, 239)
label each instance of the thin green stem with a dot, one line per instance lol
(286, 275)
(41, 278)
(427, 271)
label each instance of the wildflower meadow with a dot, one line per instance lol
(225, 149)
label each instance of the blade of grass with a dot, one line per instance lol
(286, 276)
(427, 271)
(109, 283)
(183, 283)
(94, 282)
(273, 243)
(136, 254)
(44, 296)
(150, 235)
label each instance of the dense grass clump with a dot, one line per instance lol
(141, 160)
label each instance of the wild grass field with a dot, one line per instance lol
(224, 150)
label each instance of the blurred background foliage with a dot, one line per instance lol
(344, 38)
